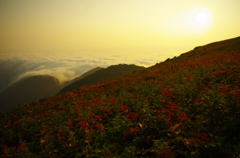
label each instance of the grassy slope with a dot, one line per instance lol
(188, 106)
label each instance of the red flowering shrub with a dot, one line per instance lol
(132, 116)
(224, 89)
(187, 106)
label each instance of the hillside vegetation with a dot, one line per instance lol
(188, 106)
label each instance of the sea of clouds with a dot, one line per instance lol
(65, 67)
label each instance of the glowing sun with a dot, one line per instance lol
(190, 22)
(202, 17)
(198, 20)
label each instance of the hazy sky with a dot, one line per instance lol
(115, 26)
(65, 38)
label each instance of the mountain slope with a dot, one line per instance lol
(86, 74)
(187, 106)
(27, 90)
(67, 83)
(101, 75)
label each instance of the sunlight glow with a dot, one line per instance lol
(109, 26)
(201, 20)
(201, 17)
(189, 22)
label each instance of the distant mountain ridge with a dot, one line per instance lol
(101, 75)
(38, 87)
(27, 90)
(82, 76)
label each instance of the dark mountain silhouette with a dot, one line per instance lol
(82, 76)
(101, 75)
(8, 71)
(27, 90)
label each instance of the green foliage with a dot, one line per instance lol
(188, 106)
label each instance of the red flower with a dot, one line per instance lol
(88, 130)
(70, 95)
(91, 114)
(236, 92)
(63, 138)
(223, 89)
(78, 119)
(204, 136)
(83, 124)
(99, 126)
(169, 122)
(197, 101)
(21, 147)
(132, 116)
(112, 100)
(182, 117)
(167, 112)
(99, 118)
(132, 130)
(141, 117)
(163, 86)
(172, 106)
(50, 132)
(88, 137)
(60, 131)
(165, 153)
(166, 92)
(123, 108)
(69, 123)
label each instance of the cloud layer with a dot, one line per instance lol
(64, 66)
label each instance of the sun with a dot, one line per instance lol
(195, 21)
(202, 17)
(199, 20)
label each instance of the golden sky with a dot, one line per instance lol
(115, 26)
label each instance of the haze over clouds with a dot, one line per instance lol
(64, 67)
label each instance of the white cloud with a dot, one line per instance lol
(65, 66)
